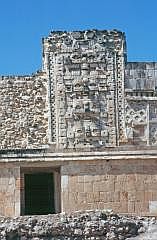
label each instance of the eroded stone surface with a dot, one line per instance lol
(86, 73)
(141, 103)
(86, 97)
(23, 112)
(79, 225)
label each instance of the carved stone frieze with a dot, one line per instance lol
(141, 102)
(87, 66)
(87, 96)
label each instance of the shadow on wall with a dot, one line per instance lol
(112, 167)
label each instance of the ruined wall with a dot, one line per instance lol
(87, 97)
(141, 103)
(86, 83)
(23, 112)
(82, 225)
(126, 186)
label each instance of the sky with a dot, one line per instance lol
(23, 24)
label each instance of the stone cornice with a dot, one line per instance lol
(79, 156)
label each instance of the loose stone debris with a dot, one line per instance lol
(78, 225)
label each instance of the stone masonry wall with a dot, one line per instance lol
(87, 97)
(141, 103)
(9, 191)
(126, 186)
(23, 112)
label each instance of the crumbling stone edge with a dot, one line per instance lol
(96, 224)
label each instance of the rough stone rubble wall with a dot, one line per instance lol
(86, 82)
(141, 103)
(23, 112)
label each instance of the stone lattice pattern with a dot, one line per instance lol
(23, 112)
(85, 70)
(86, 97)
(141, 103)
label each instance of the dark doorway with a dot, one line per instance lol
(39, 193)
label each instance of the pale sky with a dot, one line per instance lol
(23, 23)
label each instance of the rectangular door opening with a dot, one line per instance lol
(39, 193)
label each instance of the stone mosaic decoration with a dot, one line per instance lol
(87, 96)
(86, 81)
(141, 103)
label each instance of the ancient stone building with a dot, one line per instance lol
(82, 132)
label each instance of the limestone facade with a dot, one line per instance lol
(89, 118)
(127, 186)
(86, 84)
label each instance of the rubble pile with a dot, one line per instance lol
(78, 225)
